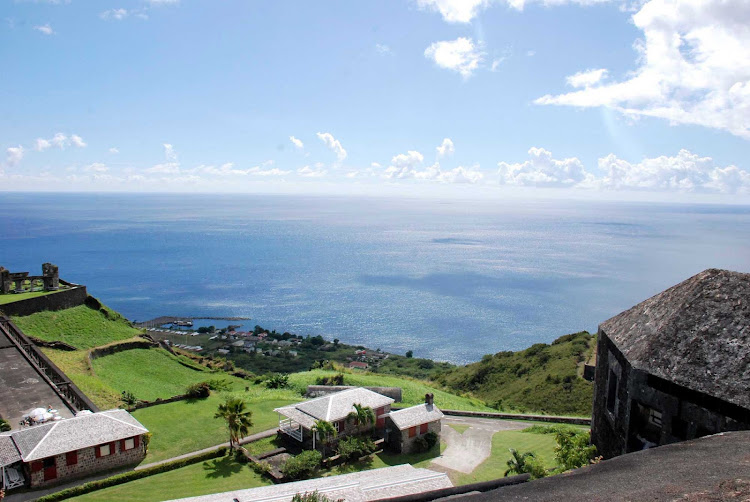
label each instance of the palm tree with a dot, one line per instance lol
(327, 432)
(517, 462)
(237, 417)
(362, 415)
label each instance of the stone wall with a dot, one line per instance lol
(322, 390)
(60, 300)
(121, 347)
(406, 443)
(87, 464)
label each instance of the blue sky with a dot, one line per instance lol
(586, 98)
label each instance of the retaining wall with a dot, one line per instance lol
(60, 300)
(514, 416)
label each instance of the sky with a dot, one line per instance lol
(624, 99)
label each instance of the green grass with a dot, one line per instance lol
(543, 378)
(458, 428)
(16, 297)
(387, 459)
(495, 466)
(413, 390)
(214, 476)
(150, 373)
(81, 327)
(187, 426)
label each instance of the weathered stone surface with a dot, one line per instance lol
(695, 334)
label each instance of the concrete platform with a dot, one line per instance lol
(22, 387)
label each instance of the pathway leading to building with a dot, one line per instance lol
(464, 452)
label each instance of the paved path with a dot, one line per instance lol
(464, 452)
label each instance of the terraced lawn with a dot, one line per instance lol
(82, 327)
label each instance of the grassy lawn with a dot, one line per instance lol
(214, 476)
(81, 327)
(75, 366)
(413, 390)
(15, 297)
(495, 466)
(387, 459)
(187, 426)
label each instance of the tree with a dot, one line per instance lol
(362, 415)
(238, 419)
(409, 354)
(336, 342)
(326, 430)
(517, 462)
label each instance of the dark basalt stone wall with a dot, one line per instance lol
(55, 301)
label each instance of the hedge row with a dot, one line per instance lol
(119, 479)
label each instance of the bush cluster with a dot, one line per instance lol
(198, 390)
(302, 465)
(277, 381)
(353, 447)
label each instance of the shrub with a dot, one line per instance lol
(278, 381)
(261, 467)
(535, 467)
(302, 465)
(353, 447)
(573, 449)
(550, 429)
(128, 398)
(420, 444)
(219, 384)
(313, 497)
(432, 439)
(198, 390)
(4, 425)
(146, 440)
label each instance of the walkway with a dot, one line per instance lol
(464, 452)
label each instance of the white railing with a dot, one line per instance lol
(291, 428)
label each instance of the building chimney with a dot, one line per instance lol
(428, 399)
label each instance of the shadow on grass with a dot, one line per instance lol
(223, 467)
(389, 458)
(349, 467)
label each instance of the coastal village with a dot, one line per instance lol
(139, 413)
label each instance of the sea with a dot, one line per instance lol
(449, 279)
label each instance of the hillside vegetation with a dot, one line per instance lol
(83, 327)
(543, 378)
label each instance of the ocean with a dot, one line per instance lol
(449, 279)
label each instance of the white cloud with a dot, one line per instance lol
(169, 152)
(44, 28)
(496, 63)
(59, 140)
(455, 11)
(462, 175)
(543, 170)
(382, 49)
(404, 165)
(14, 155)
(118, 14)
(685, 172)
(308, 172)
(96, 167)
(114, 150)
(333, 144)
(586, 78)
(165, 168)
(409, 166)
(460, 55)
(275, 171)
(77, 141)
(693, 67)
(42, 144)
(445, 148)
(296, 142)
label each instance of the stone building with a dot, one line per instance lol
(16, 281)
(298, 420)
(675, 367)
(56, 452)
(403, 427)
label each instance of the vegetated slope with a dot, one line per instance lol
(543, 378)
(83, 327)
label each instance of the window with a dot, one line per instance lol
(71, 458)
(412, 431)
(654, 418)
(336, 426)
(423, 429)
(128, 444)
(612, 392)
(103, 450)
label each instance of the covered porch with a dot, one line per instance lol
(296, 424)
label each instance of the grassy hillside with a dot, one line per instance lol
(82, 327)
(542, 378)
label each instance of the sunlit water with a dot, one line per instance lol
(451, 280)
